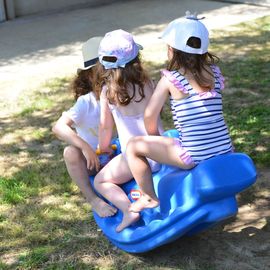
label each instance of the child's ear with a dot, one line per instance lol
(170, 48)
(170, 52)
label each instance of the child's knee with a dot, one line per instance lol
(97, 182)
(71, 154)
(132, 146)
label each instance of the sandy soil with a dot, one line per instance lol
(241, 243)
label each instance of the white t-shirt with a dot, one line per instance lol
(85, 114)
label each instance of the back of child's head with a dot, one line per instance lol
(189, 39)
(117, 48)
(82, 82)
(179, 31)
(119, 55)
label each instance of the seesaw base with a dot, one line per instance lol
(190, 202)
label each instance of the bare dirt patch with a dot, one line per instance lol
(241, 243)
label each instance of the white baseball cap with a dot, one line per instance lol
(90, 52)
(178, 32)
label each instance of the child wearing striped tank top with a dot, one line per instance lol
(194, 83)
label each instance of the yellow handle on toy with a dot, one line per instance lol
(113, 146)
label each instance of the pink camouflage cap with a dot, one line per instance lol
(117, 48)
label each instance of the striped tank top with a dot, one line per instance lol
(199, 118)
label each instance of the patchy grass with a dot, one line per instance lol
(46, 224)
(245, 54)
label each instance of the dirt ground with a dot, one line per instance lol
(241, 243)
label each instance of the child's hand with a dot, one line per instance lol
(91, 159)
(106, 155)
(108, 151)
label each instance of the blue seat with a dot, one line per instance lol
(190, 201)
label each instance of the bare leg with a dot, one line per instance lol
(106, 183)
(158, 148)
(148, 198)
(76, 166)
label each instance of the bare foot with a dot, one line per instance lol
(142, 203)
(128, 219)
(102, 208)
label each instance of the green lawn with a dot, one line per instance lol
(44, 221)
(245, 63)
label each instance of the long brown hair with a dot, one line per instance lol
(118, 80)
(194, 63)
(98, 79)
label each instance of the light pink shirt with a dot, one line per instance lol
(129, 126)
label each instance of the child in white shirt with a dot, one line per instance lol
(80, 156)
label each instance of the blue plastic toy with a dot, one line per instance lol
(190, 201)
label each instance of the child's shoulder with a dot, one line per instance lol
(87, 97)
(87, 100)
(166, 72)
(175, 78)
(218, 75)
(215, 69)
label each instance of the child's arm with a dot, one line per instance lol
(106, 125)
(62, 129)
(154, 107)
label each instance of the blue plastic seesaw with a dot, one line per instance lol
(190, 201)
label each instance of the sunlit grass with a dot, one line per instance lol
(42, 104)
(35, 257)
(44, 98)
(12, 191)
(245, 55)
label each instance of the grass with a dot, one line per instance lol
(44, 221)
(246, 63)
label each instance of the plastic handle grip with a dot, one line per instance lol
(113, 146)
